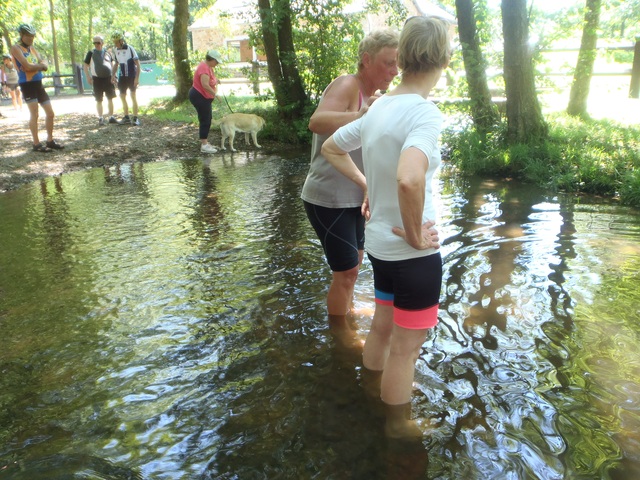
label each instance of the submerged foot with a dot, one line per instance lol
(399, 424)
(371, 382)
(344, 334)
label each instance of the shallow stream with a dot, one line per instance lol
(167, 321)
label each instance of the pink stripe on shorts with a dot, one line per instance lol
(416, 319)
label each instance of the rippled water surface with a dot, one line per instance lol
(167, 321)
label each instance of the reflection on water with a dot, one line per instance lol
(167, 321)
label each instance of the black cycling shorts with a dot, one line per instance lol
(34, 92)
(341, 232)
(412, 287)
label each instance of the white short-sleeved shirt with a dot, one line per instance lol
(392, 124)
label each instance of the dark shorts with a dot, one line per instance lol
(34, 92)
(126, 83)
(103, 86)
(341, 232)
(12, 86)
(412, 287)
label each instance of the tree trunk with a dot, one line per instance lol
(270, 41)
(524, 116)
(56, 61)
(586, 58)
(485, 114)
(72, 46)
(184, 76)
(282, 66)
(288, 59)
(6, 36)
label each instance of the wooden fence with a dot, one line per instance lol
(58, 82)
(634, 71)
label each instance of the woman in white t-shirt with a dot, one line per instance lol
(399, 140)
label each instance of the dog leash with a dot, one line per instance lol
(227, 102)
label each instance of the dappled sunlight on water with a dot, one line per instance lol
(167, 320)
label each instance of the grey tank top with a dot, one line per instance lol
(327, 187)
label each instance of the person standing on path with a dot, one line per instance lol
(129, 66)
(201, 95)
(98, 68)
(399, 141)
(331, 201)
(30, 67)
(11, 74)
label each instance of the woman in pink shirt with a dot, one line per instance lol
(201, 96)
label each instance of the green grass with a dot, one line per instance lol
(580, 156)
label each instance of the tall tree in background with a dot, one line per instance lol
(8, 11)
(484, 112)
(183, 74)
(282, 67)
(586, 58)
(72, 44)
(56, 60)
(525, 122)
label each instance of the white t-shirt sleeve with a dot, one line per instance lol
(424, 136)
(348, 137)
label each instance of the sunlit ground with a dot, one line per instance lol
(608, 98)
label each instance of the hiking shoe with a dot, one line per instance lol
(101, 121)
(41, 147)
(135, 122)
(207, 148)
(53, 145)
(112, 119)
(125, 120)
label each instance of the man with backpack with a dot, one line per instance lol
(98, 68)
(129, 65)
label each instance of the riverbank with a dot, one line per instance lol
(89, 145)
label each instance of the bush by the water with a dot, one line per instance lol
(597, 157)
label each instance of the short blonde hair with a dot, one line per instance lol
(376, 41)
(424, 45)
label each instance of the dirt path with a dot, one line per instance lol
(88, 145)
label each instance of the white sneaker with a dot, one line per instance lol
(208, 148)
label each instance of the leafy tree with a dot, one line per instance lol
(524, 115)
(9, 10)
(619, 18)
(326, 44)
(483, 110)
(277, 35)
(395, 10)
(586, 58)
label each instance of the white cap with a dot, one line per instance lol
(215, 55)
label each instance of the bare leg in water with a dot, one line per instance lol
(390, 355)
(339, 302)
